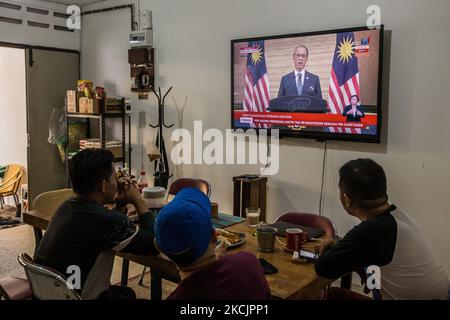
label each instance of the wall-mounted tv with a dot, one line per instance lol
(323, 85)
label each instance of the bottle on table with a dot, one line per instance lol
(143, 181)
(126, 170)
(119, 173)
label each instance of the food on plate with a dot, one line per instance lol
(228, 238)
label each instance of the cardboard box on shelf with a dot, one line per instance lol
(89, 106)
(113, 105)
(116, 151)
(73, 100)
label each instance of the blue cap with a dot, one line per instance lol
(183, 228)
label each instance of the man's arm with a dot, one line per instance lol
(369, 243)
(318, 89)
(141, 241)
(125, 236)
(340, 259)
(360, 109)
(281, 90)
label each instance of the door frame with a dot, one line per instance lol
(30, 63)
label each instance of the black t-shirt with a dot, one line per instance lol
(82, 228)
(372, 242)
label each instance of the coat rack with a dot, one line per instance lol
(162, 173)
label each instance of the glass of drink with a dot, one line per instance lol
(253, 215)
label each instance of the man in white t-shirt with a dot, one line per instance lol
(386, 237)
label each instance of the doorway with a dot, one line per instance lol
(33, 82)
(13, 132)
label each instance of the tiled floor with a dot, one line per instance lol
(19, 239)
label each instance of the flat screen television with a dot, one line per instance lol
(323, 85)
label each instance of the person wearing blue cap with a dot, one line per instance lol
(185, 234)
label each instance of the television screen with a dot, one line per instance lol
(324, 85)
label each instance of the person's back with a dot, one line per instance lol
(414, 271)
(386, 238)
(232, 277)
(185, 234)
(86, 235)
(78, 232)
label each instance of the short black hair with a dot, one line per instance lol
(355, 95)
(364, 181)
(301, 46)
(88, 168)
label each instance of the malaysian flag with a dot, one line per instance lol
(344, 79)
(256, 92)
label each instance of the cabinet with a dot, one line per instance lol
(89, 120)
(249, 192)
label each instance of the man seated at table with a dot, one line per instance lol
(387, 238)
(184, 233)
(84, 233)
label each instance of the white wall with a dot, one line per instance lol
(13, 128)
(24, 34)
(192, 40)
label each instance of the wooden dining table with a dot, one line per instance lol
(292, 281)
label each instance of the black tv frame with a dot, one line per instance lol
(320, 136)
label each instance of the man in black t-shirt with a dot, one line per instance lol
(386, 238)
(85, 234)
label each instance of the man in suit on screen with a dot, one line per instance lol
(300, 81)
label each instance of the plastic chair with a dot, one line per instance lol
(12, 288)
(10, 185)
(312, 221)
(47, 284)
(182, 183)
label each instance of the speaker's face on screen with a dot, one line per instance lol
(300, 58)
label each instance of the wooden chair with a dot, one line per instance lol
(49, 201)
(10, 185)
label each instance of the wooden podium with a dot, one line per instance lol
(249, 192)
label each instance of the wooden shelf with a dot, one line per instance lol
(102, 120)
(94, 116)
(83, 115)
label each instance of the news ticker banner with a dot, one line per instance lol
(303, 119)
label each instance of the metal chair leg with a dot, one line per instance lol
(18, 206)
(141, 280)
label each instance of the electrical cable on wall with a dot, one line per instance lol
(323, 177)
(267, 153)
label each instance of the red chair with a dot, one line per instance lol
(318, 222)
(12, 288)
(312, 221)
(182, 183)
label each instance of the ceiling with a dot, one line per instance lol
(78, 2)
